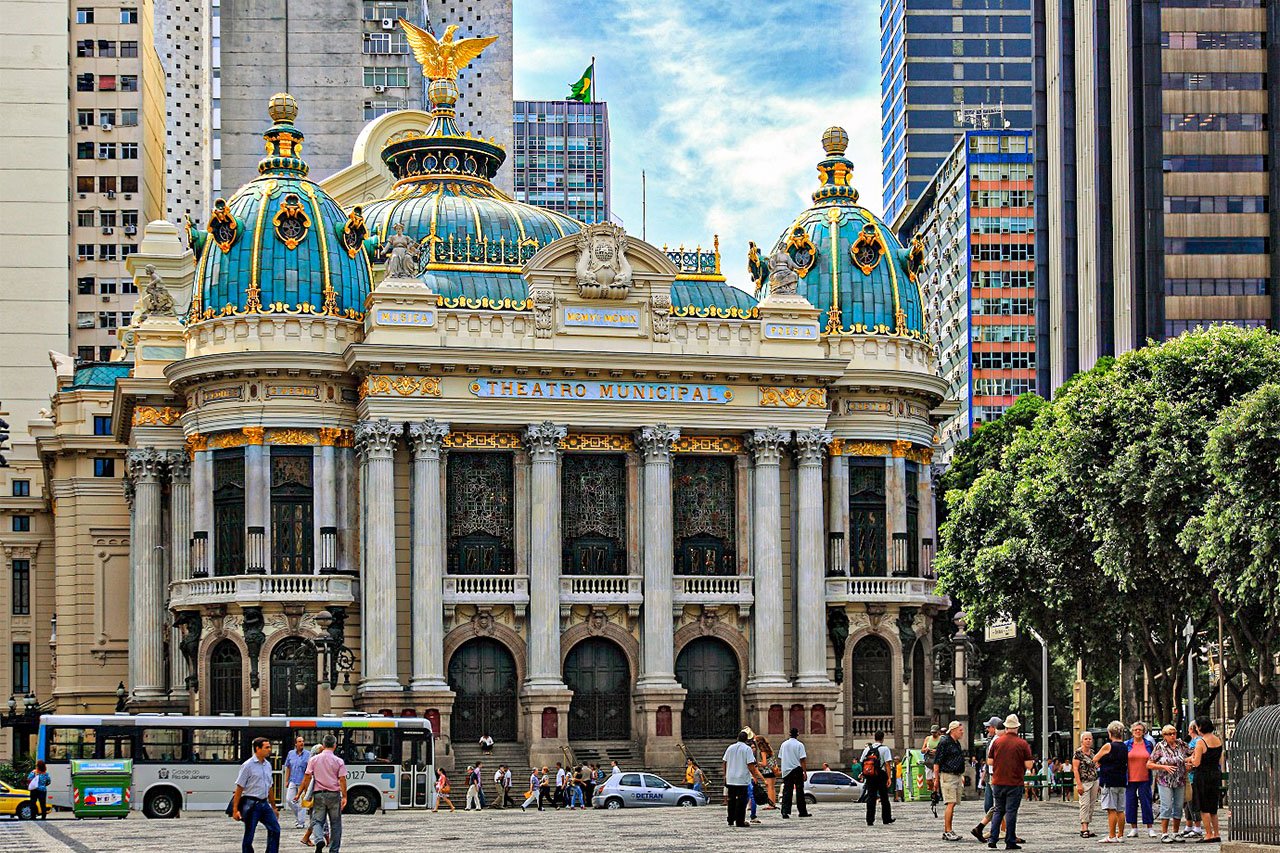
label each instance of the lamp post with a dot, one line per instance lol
(1189, 634)
(1044, 698)
(23, 716)
(334, 655)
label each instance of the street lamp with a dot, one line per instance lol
(1189, 633)
(334, 655)
(121, 693)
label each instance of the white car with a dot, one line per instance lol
(633, 790)
(831, 786)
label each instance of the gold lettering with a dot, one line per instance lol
(606, 390)
(663, 392)
(522, 389)
(535, 390)
(580, 390)
(506, 389)
(697, 394)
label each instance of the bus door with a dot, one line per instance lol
(417, 785)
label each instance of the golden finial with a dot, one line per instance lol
(834, 141)
(282, 108)
(442, 59)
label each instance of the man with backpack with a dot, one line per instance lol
(949, 764)
(876, 760)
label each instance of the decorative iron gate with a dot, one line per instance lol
(1254, 795)
(597, 672)
(483, 675)
(708, 670)
(293, 679)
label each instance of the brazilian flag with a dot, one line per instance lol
(584, 89)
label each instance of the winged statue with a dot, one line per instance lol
(443, 59)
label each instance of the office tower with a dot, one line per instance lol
(937, 56)
(1154, 160)
(976, 221)
(562, 157)
(186, 33)
(117, 161)
(348, 63)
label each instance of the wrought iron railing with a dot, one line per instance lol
(899, 556)
(1254, 750)
(328, 550)
(483, 251)
(926, 558)
(696, 261)
(200, 554)
(255, 552)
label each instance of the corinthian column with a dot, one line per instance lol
(658, 665)
(146, 613)
(376, 442)
(766, 526)
(179, 551)
(811, 636)
(543, 441)
(427, 438)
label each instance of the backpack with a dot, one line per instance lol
(871, 765)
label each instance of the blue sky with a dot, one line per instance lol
(722, 104)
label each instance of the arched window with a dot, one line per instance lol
(872, 681)
(593, 514)
(293, 678)
(226, 679)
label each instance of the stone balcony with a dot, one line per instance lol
(256, 590)
(714, 591)
(870, 590)
(601, 590)
(486, 589)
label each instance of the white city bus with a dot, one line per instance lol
(182, 762)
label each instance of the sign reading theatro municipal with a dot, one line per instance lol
(538, 479)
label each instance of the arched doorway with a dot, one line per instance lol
(482, 673)
(226, 675)
(596, 671)
(872, 679)
(708, 669)
(293, 678)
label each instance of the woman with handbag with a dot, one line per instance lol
(38, 784)
(442, 791)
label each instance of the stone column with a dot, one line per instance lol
(348, 503)
(179, 552)
(325, 493)
(146, 613)
(657, 668)
(928, 516)
(811, 636)
(767, 447)
(895, 490)
(257, 493)
(427, 626)
(376, 441)
(543, 441)
(202, 497)
(838, 510)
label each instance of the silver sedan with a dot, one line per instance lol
(633, 790)
(831, 786)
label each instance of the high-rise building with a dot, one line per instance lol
(349, 63)
(937, 57)
(116, 150)
(1155, 160)
(976, 223)
(187, 38)
(562, 157)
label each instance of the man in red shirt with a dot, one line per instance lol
(1010, 758)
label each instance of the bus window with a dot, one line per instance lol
(365, 746)
(160, 745)
(415, 749)
(115, 743)
(214, 746)
(65, 744)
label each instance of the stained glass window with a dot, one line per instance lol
(593, 524)
(228, 512)
(913, 520)
(705, 506)
(225, 688)
(867, 511)
(292, 550)
(872, 678)
(480, 514)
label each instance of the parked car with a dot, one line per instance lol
(15, 802)
(831, 786)
(633, 790)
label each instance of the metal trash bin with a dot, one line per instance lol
(101, 787)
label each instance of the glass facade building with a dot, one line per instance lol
(937, 57)
(562, 157)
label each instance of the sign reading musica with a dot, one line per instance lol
(404, 317)
(649, 392)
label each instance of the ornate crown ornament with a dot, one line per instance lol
(354, 232)
(291, 221)
(868, 249)
(223, 227)
(802, 250)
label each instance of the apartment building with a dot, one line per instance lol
(562, 157)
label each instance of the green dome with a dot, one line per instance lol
(281, 244)
(851, 266)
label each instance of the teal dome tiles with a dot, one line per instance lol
(710, 299)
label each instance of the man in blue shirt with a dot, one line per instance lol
(253, 802)
(295, 767)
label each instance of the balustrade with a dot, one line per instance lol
(253, 590)
(486, 589)
(889, 590)
(601, 589)
(729, 590)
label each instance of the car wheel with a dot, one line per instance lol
(810, 799)
(613, 803)
(161, 805)
(686, 802)
(362, 801)
(24, 812)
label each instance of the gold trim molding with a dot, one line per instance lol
(809, 398)
(896, 449)
(335, 437)
(405, 386)
(295, 437)
(597, 441)
(708, 444)
(156, 415)
(483, 441)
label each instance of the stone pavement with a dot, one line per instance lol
(1048, 828)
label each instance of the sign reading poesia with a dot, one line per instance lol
(649, 392)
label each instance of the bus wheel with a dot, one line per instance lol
(363, 801)
(161, 805)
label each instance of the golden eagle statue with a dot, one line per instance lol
(443, 59)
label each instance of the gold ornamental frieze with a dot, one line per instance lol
(597, 441)
(483, 441)
(728, 444)
(335, 437)
(246, 435)
(792, 398)
(156, 415)
(405, 386)
(897, 449)
(295, 437)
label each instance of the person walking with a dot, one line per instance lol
(38, 787)
(532, 796)
(561, 796)
(295, 768)
(472, 799)
(1207, 761)
(328, 774)
(614, 769)
(575, 790)
(1113, 770)
(507, 802)
(929, 751)
(699, 779)
(1085, 771)
(497, 787)
(1169, 768)
(948, 761)
(739, 770)
(1138, 788)
(1010, 760)
(877, 765)
(480, 783)
(1192, 806)
(794, 766)
(443, 788)
(544, 789)
(253, 801)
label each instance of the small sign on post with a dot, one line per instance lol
(1001, 629)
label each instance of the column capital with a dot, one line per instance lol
(766, 445)
(377, 437)
(179, 466)
(655, 442)
(427, 437)
(810, 444)
(543, 440)
(145, 464)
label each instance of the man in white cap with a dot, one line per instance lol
(995, 727)
(949, 761)
(1010, 759)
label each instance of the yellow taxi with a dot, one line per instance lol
(15, 802)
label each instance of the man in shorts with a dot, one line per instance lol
(949, 765)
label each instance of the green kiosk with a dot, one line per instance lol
(101, 788)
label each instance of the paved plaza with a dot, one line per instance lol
(1047, 828)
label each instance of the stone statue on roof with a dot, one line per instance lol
(155, 301)
(784, 275)
(402, 254)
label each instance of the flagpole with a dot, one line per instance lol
(595, 138)
(644, 207)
